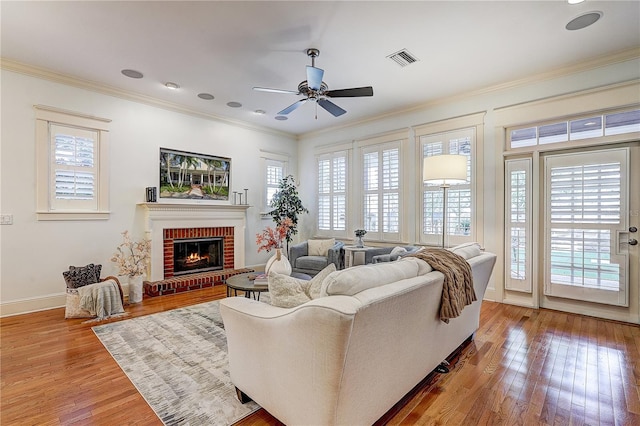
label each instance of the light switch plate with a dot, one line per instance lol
(6, 219)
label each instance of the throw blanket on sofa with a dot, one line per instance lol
(101, 299)
(457, 290)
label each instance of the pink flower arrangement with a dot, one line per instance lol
(270, 238)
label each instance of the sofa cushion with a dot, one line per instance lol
(354, 280)
(467, 250)
(288, 292)
(320, 247)
(314, 263)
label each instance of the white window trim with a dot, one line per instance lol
(525, 284)
(45, 116)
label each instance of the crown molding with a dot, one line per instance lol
(594, 63)
(45, 74)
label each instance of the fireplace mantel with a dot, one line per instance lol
(161, 216)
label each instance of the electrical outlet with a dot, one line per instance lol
(6, 219)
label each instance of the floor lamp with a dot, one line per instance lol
(444, 170)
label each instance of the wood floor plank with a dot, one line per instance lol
(525, 367)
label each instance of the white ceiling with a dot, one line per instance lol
(226, 48)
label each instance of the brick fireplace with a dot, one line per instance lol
(167, 222)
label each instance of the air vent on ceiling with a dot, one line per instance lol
(403, 58)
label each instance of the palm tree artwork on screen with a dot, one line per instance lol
(185, 175)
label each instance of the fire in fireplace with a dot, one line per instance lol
(197, 255)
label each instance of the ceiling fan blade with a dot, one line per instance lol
(292, 107)
(350, 93)
(266, 89)
(333, 109)
(314, 77)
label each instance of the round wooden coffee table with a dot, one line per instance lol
(241, 282)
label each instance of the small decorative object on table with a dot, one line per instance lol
(132, 259)
(359, 234)
(259, 280)
(271, 239)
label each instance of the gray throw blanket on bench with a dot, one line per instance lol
(101, 299)
(457, 290)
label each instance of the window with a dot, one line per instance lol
(578, 129)
(274, 169)
(72, 165)
(518, 225)
(275, 173)
(332, 191)
(381, 191)
(459, 196)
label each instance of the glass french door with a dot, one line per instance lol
(586, 226)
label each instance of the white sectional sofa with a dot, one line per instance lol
(347, 357)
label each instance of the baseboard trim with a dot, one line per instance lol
(36, 304)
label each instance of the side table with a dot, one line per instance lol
(354, 255)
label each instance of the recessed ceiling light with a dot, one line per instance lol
(574, 1)
(132, 73)
(260, 112)
(234, 104)
(281, 117)
(583, 20)
(206, 96)
(172, 86)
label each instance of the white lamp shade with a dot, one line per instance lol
(445, 169)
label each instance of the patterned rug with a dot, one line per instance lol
(178, 362)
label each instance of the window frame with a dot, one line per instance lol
(473, 123)
(394, 140)
(332, 193)
(46, 207)
(271, 158)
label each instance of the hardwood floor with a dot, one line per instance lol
(524, 367)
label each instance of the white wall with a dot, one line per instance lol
(562, 82)
(35, 253)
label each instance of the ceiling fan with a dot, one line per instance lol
(314, 89)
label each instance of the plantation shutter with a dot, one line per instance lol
(381, 191)
(518, 225)
(332, 191)
(74, 168)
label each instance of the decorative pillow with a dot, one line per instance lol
(315, 284)
(78, 276)
(398, 251)
(467, 250)
(286, 291)
(320, 247)
(73, 309)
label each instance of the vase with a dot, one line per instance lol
(358, 242)
(278, 263)
(135, 289)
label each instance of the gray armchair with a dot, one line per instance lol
(301, 262)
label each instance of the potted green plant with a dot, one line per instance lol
(287, 204)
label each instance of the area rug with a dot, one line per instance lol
(178, 362)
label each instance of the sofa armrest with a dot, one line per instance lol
(298, 250)
(334, 255)
(381, 258)
(280, 364)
